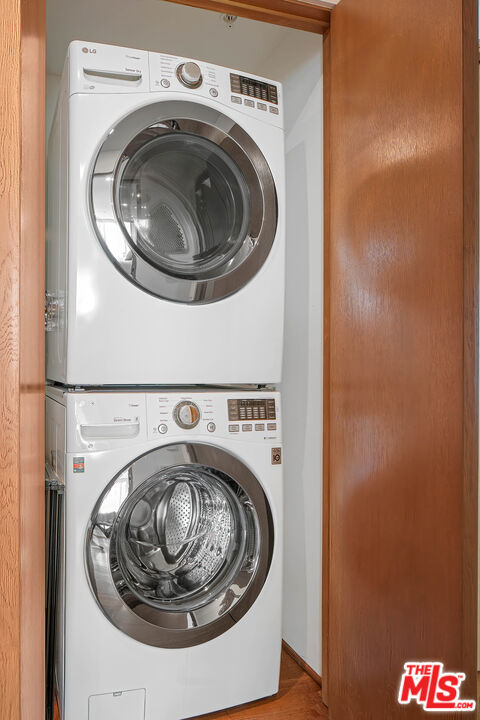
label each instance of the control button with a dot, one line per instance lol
(234, 428)
(235, 83)
(272, 94)
(260, 427)
(246, 428)
(190, 74)
(236, 99)
(273, 110)
(261, 106)
(250, 103)
(162, 428)
(214, 92)
(186, 414)
(165, 83)
(211, 427)
(233, 414)
(271, 426)
(271, 415)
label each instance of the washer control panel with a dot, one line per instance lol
(111, 419)
(253, 417)
(251, 409)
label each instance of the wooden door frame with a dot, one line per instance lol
(327, 78)
(22, 200)
(471, 200)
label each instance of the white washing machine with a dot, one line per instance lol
(170, 572)
(166, 231)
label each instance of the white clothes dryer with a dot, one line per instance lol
(170, 577)
(166, 230)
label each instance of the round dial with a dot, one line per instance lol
(190, 74)
(186, 415)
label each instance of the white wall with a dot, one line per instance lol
(160, 27)
(298, 64)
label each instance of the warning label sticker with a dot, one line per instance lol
(78, 464)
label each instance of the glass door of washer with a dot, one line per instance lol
(183, 201)
(179, 545)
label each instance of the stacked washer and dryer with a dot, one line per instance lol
(164, 314)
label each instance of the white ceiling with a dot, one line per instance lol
(159, 26)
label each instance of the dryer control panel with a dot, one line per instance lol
(96, 68)
(254, 96)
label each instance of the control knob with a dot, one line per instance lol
(190, 75)
(187, 415)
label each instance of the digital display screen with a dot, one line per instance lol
(253, 88)
(251, 409)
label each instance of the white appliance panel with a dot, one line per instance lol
(237, 666)
(109, 331)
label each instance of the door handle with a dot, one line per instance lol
(132, 77)
(110, 431)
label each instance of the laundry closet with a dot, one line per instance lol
(399, 443)
(122, 365)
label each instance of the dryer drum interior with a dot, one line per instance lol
(184, 202)
(176, 556)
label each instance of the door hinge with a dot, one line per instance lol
(53, 311)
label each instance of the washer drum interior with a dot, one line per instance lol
(179, 545)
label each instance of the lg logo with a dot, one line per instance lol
(86, 50)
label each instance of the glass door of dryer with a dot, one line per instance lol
(179, 545)
(184, 202)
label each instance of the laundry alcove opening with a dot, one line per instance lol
(293, 58)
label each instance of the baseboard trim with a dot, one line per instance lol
(305, 666)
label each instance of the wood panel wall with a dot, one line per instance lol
(22, 152)
(401, 349)
(296, 14)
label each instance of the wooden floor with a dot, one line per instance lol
(299, 698)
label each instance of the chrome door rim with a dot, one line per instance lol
(171, 116)
(126, 610)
